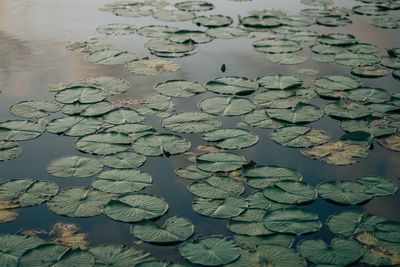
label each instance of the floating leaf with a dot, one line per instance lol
(191, 122)
(226, 32)
(74, 125)
(7, 216)
(20, 130)
(339, 39)
(103, 143)
(231, 138)
(259, 118)
(251, 243)
(377, 128)
(263, 176)
(122, 181)
(226, 106)
(293, 221)
(157, 31)
(219, 162)
(122, 115)
(279, 82)
(378, 186)
(117, 29)
(287, 58)
(67, 234)
(190, 36)
(341, 252)
(175, 229)
(34, 109)
(110, 57)
(173, 15)
(192, 172)
(369, 71)
(290, 192)
(232, 85)
(216, 187)
(79, 202)
(9, 150)
(124, 160)
(270, 45)
(354, 59)
(344, 192)
(194, 6)
(151, 66)
(179, 88)
(299, 136)
(301, 113)
(83, 95)
(249, 223)
(76, 166)
(350, 110)
(219, 208)
(213, 21)
(136, 208)
(391, 142)
(118, 255)
(159, 144)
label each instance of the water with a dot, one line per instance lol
(33, 35)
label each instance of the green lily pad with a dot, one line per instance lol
(179, 88)
(339, 39)
(17, 130)
(228, 32)
(232, 85)
(390, 62)
(158, 102)
(83, 95)
(194, 6)
(333, 21)
(156, 31)
(231, 138)
(151, 66)
(192, 172)
(136, 208)
(270, 45)
(377, 128)
(264, 176)
(76, 166)
(159, 144)
(14, 246)
(219, 208)
(283, 98)
(226, 106)
(124, 160)
(216, 187)
(293, 221)
(354, 59)
(301, 113)
(110, 57)
(119, 256)
(290, 192)
(344, 192)
(9, 150)
(341, 252)
(257, 200)
(378, 186)
(26, 192)
(251, 243)
(337, 83)
(391, 142)
(210, 250)
(279, 82)
(103, 143)
(122, 181)
(134, 130)
(190, 36)
(249, 223)
(350, 110)
(117, 29)
(74, 125)
(259, 118)
(79, 202)
(88, 110)
(122, 116)
(191, 122)
(173, 15)
(325, 49)
(321, 3)
(287, 58)
(256, 22)
(34, 109)
(337, 153)
(219, 162)
(175, 229)
(369, 10)
(213, 21)
(299, 136)
(369, 71)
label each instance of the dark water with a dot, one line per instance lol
(33, 34)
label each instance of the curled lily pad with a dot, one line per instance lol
(292, 221)
(103, 143)
(210, 250)
(110, 57)
(192, 172)
(17, 130)
(213, 21)
(136, 208)
(219, 162)
(34, 109)
(151, 66)
(299, 136)
(340, 252)
(344, 192)
(290, 192)
(194, 6)
(226, 106)
(117, 29)
(263, 176)
(301, 113)
(74, 125)
(124, 160)
(337, 153)
(227, 32)
(231, 138)
(75, 166)
(179, 88)
(159, 144)
(232, 85)
(191, 122)
(79, 202)
(118, 255)
(216, 187)
(122, 181)
(391, 142)
(175, 229)
(26, 192)
(219, 208)
(9, 150)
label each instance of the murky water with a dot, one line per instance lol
(33, 34)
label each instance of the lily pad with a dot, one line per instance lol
(391, 142)
(194, 6)
(159, 144)
(219, 162)
(251, 243)
(122, 116)
(339, 39)
(74, 125)
(121, 256)
(287, 58)
(122, 181)
(279, 82)
(270, 45)
(210, 250)
(157, 31)
(369, 71)
(17, 130)
(354, 59)
(173, 15)
(337, 83)
(232, 85)
(257, 23)
(117, 29)
(180, 88)
(190, 36)
(290, 192)
(83, 95)
(136, 208)
(151, 66)
(9, 150)
(299, 136)
(103, 143)
(216, 187)
(231, 138)
(227, 32)
(350, 110)
(301, 113)
(192, 172)
(344, 192)
(34, 109)
(377, 128)
(79, 202)
(219, 208)
(226, 106)
(213, 21)
(259, 118)
(191, 122)
(175, 229)
(110, 57)
(76, 166)
(124, 160)
(264, 176)
(340, 252)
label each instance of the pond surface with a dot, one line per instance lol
(33, 36)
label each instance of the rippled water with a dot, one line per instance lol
(33, 34)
